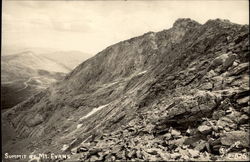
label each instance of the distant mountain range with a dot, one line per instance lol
(24, 74)
(68, 58)
(26, 64)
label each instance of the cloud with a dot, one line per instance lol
(91, 26)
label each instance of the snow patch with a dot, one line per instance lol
(64, 147)
(78, 126)
(94, 110)
(69, 119)
(143, 72)
(110, 84)
(113, 83)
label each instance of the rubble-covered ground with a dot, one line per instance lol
(204, 119)
(209, 122)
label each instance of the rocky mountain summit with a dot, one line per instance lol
(178, 94)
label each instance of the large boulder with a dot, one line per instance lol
(228, 62)
(191, 106)
(204, 129)
(224, 61)
(38, 119)
(230, 138)
(239, 69)
(244, 100)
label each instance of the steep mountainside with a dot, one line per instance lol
(26, 73)
(176, 94)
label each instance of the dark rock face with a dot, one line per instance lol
(179, 94)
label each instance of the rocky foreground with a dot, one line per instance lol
(206, 117)
(179, 94)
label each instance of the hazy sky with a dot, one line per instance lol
(90, 26)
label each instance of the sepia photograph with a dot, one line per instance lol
(125, 80)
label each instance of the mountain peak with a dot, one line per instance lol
(27, 53)
(184, 23)
(219, 21)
